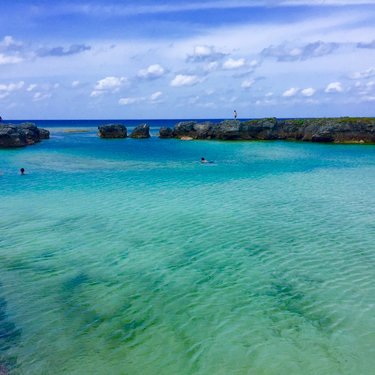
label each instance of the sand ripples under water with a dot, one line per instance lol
(129, 257)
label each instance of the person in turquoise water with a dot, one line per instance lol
(22, 171)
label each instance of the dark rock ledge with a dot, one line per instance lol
(334, 130)
(21, 135)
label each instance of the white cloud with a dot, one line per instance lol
(12, 86)
(211, 66)
(185, 80)
(234, 64)
(110, 83)
(31, 87)
(96, 93)
(38, 96)
(155, 96)
(247, 83)
(290, 92)
(368, 98)
(205, 53)
(75, 83)
(286, 52)
(370, 72)
(9, 59)
(8, 44)
(308, 91)
(334, 87)
(127, 101)
(152, 72)
(7, 41)
(176, 7)
(364, 88)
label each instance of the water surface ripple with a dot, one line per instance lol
(129, 257)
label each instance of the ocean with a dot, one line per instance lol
(129, 256)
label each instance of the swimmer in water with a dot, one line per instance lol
(22, 170)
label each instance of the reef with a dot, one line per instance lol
(327, 130)
(22, 135)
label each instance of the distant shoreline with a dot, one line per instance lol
(343, 130)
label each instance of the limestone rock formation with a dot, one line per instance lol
(337, 130)
(166, 132)
(21, 135)
(141, 131)
(113, 131)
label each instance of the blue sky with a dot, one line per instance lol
(179, 59)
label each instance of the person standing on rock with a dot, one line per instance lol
(235, 114)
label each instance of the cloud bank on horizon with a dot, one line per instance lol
(173, 59)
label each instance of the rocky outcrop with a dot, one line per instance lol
(113, 131)
(166, 133)
(141, 131)
(43, 133)
(21, 135)
(337, 130)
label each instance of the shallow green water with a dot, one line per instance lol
(130, 257)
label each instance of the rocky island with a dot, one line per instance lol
(21, 135)
(333, 130)
(120, 131)
(112, 131)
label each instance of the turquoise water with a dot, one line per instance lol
(130, 257)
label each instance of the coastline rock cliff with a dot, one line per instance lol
(334, 130)
(21, 135)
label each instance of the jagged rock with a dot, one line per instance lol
(113, 131)
(166, 132)
(204, 130)
(141, 131)
(31, 131)
(259, 129)
(21, 135)
(192, 129)
(291, 129)
(338, 130)
(185, 128)
(44, 133)
(12, 136)
(228, 129)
